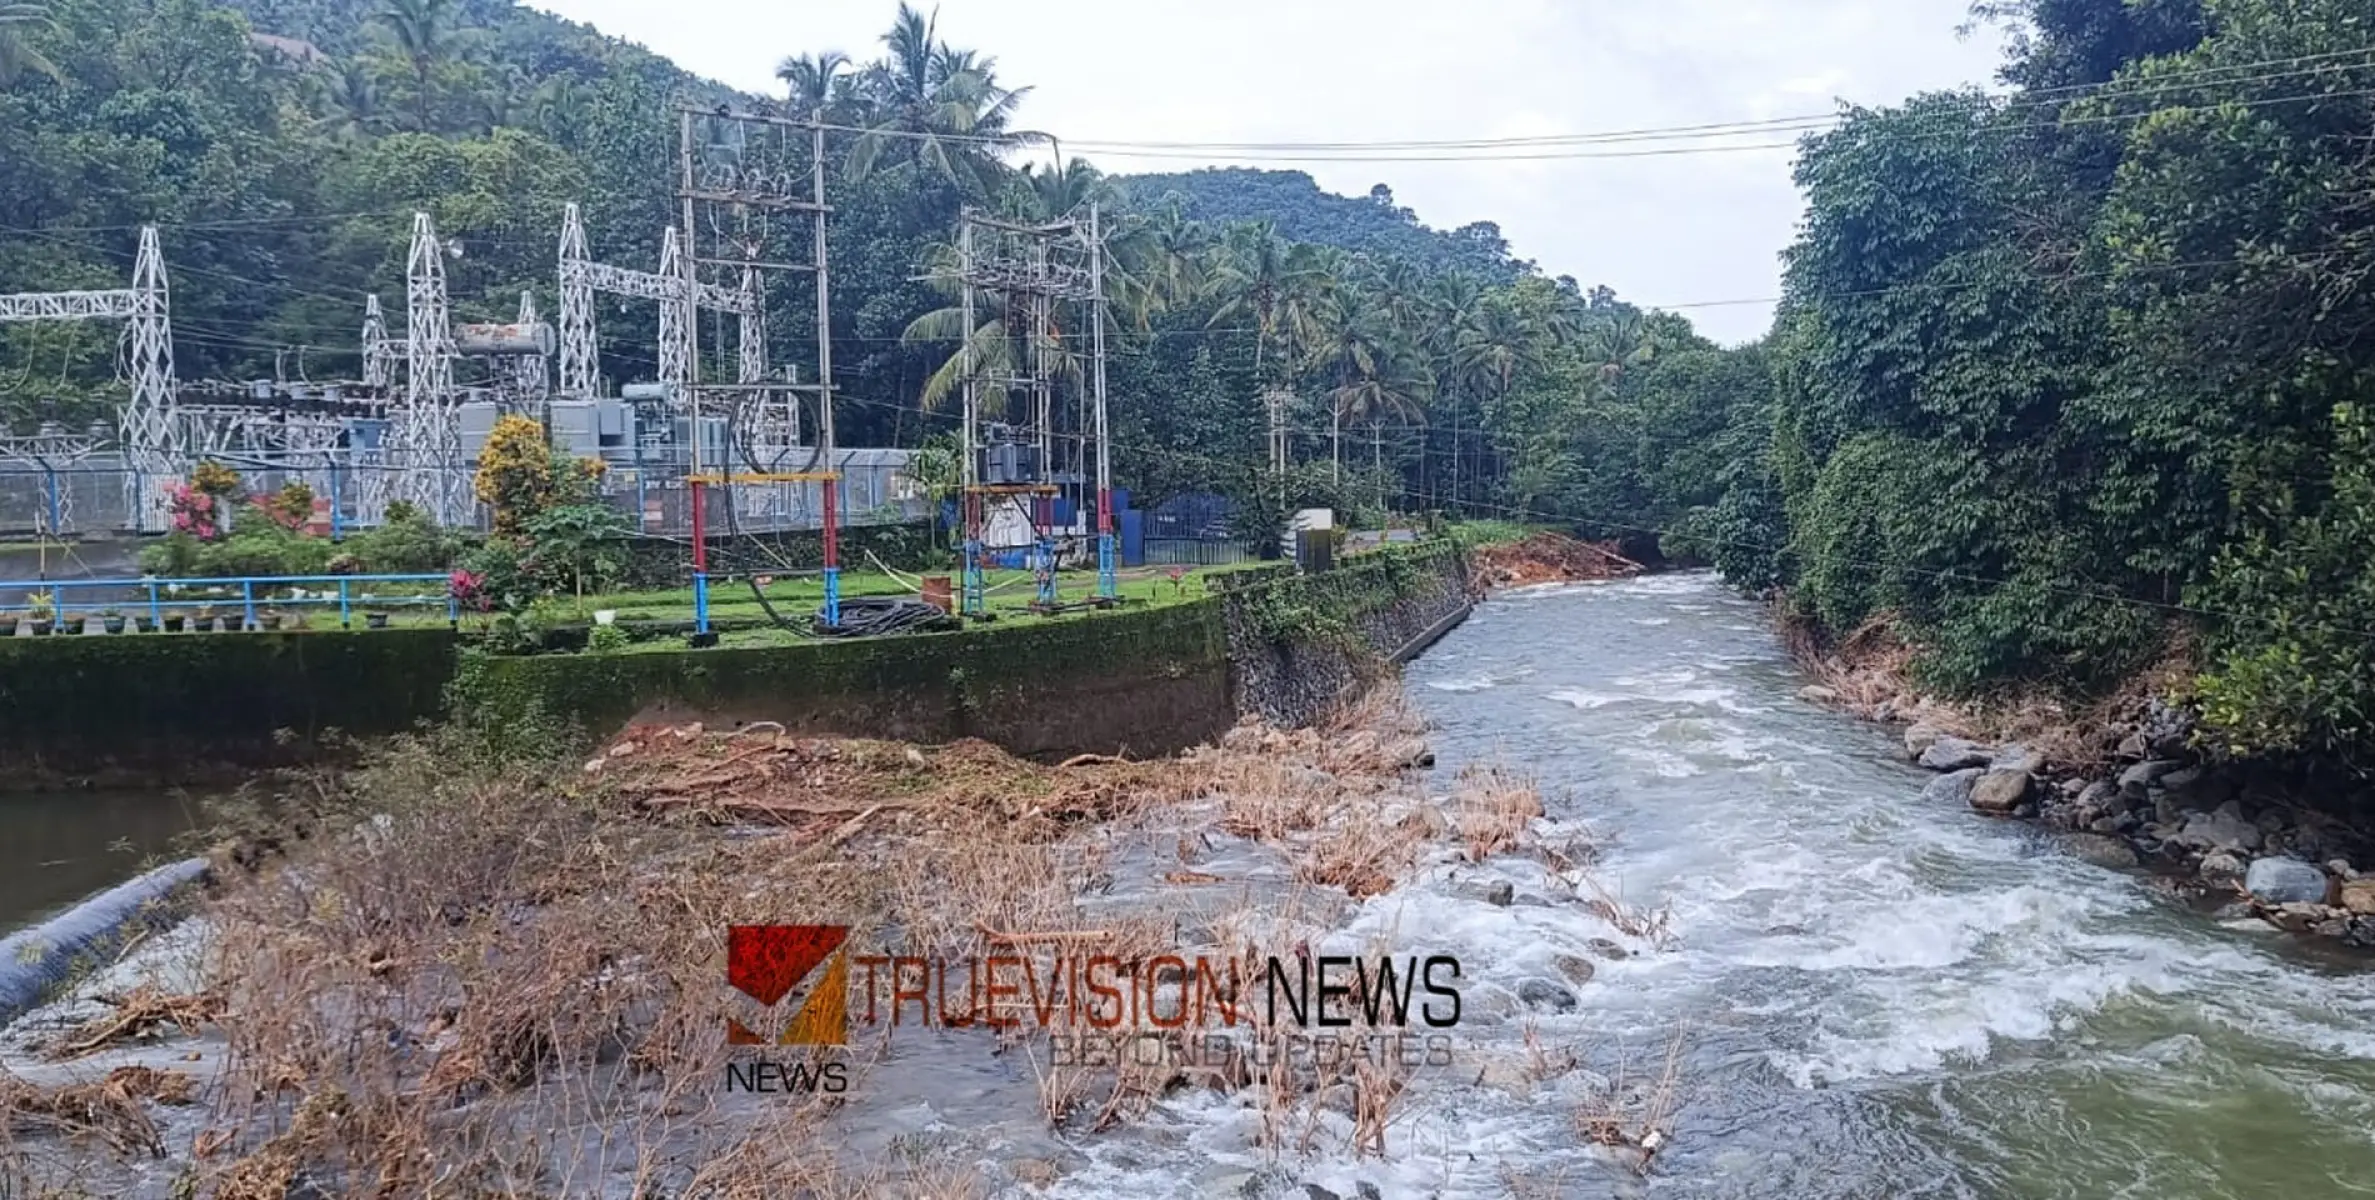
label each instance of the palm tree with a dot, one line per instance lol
(424, 33)
(350, 98)
(1378, 372)
(1496, 343)
(18, 57)
(814, 81)
(1618, 341)
(937, 107)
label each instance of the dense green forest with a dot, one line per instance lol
(2067, 380)
(282, 145)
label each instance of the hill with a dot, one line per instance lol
(1303, 212)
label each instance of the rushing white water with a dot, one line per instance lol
(1875, 996)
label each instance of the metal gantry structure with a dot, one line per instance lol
(581, 278)
(752, 190)
(148, 426)
(1045, 272)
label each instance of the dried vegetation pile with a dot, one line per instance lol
(1548, 558)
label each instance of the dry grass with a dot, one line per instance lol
(140, 1015)
(109, 1111)
(1493, 807)
(449, 973)
(1636, 1115)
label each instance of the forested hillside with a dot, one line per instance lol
(1301, 211)
(282, 145)
(2073, 380)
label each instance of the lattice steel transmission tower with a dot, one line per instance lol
(1038, 270)
(379, 368)
(149, 428)
(581, 277)
(528, 374)
(754, 210)
(424, 430)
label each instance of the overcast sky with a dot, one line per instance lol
(1676, 230)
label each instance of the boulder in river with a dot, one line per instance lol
(1608, 949)
(1542, 993)
(1954, 754)
(1815, 693)
(1575, 967)
(1919, 737)
(1953, 788)
(2221, 866)
(2017, 757)
(2000, 792)
(2104, 851)
(2285, 881)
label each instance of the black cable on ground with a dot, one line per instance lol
(876, 616)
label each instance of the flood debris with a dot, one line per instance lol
(1548, 558)
(140, 1015)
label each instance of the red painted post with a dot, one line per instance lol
(832, 524)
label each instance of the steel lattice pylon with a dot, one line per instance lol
(581, 277)
(528, 370)
(148, 427)
(424, 433)
(378, 368)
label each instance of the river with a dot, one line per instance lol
(1875, 997)
(58, 847)
(1880, 997)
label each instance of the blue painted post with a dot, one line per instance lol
(700, 601)
(337, 519)
(974, 599)
(1045, 552)
(832, 595)
(247, 593)
(156, 614)
(1106, 585)
(345, 614)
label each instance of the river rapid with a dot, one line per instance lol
(1876, 997)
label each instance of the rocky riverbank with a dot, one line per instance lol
(2148, 799)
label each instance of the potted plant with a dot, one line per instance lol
(205, 619)
(8, 624)
(174, 622)
(38, 608)
(375, 620)
(271, 618)
(77, 622)
(112, 620)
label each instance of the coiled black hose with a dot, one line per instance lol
(875, 616)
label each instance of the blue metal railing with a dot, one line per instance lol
(247, 592)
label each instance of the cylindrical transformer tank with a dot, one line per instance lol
(514, 340)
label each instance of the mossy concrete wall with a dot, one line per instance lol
(175, 706)
(1141, 681)
(1146, 682)
(165, 707)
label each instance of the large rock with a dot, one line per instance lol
(2017, 757)
(2000, 792)
(1954, 754)
(2224, 829)
(1953, 788)
(1542, 993)
(2100, 850)
(2358, 896)
(2285, 881)
(1815, 693)
(1919, 737)
(2221, 866)
(2139, 778)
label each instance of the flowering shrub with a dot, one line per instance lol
(468, 589)
(194, 513)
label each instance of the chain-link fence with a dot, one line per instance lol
(93, 497)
